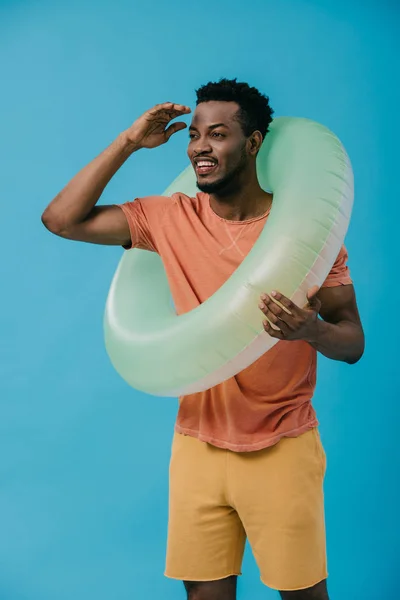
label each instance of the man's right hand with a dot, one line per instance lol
(150, 130)
(73, 214)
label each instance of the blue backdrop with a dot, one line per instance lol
(84, 458)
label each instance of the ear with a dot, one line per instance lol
(255, 142)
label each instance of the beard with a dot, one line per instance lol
(227, 183)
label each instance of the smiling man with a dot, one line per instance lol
(247, 460)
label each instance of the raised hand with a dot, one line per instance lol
(286, 321)
(150, 130)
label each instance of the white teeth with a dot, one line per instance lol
(204, 163)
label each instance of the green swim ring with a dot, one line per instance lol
(154, 350)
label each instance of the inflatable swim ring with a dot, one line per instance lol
(156, 351)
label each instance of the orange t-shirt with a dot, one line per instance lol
(200, 250)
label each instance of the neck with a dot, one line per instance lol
(241, 203)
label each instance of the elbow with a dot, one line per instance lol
(52, 224)
(48, 221)
(353, 359)
(358, 354)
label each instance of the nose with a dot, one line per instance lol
(201, 146)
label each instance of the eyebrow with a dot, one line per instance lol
(211, 126)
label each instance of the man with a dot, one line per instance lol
(247, 460)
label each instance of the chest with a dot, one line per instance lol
(199, 258)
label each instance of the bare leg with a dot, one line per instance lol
(317, 592)
(223, 589)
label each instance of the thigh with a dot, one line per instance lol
(206, 538)
(223, 589)
(279, 498)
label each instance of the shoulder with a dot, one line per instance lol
(184, 201)
(157, 203)
(171, 208)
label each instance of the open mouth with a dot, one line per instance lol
(203, 167)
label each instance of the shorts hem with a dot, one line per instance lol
(201, 578)
(294, 589)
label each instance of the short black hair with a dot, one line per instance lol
(255, 113)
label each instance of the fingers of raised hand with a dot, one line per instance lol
(178, 126)
(169, 109)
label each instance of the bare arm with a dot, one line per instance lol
(73, 213)
(339, 335)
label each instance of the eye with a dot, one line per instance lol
(218, 134)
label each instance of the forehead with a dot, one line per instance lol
(208, 113)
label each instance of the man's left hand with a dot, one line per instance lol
(289, 321)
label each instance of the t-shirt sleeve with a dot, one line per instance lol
(144, 216)
(339, 274)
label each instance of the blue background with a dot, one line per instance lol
(84, 458)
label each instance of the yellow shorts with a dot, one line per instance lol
(274, 497)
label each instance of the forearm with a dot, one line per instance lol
(73, 204)
(343, 341)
